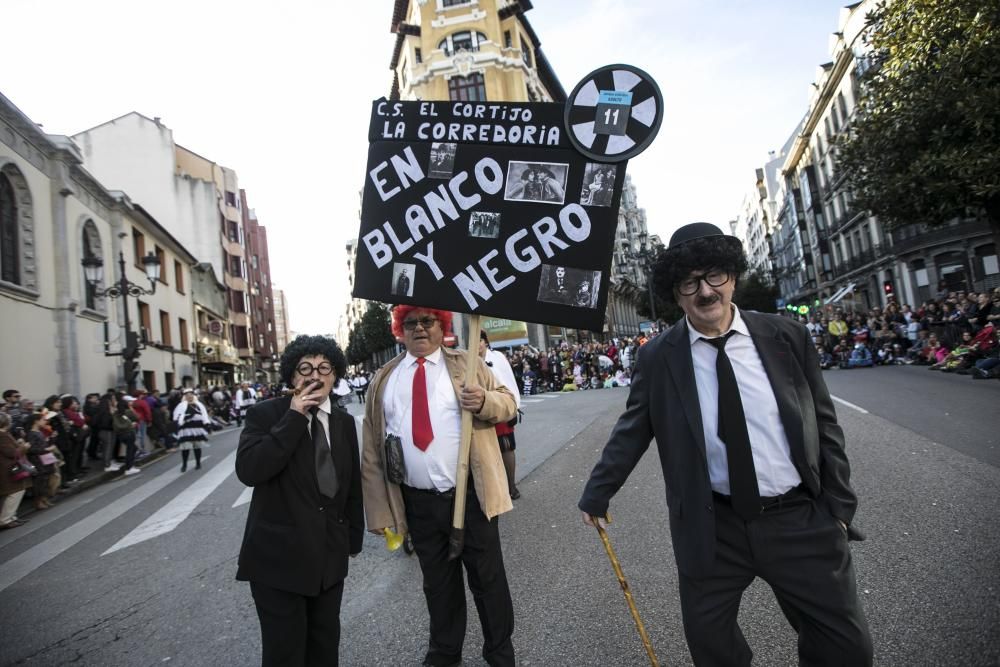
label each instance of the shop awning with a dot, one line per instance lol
(840, 294)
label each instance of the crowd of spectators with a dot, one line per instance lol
(47, 447)
(574, 366)
(955, 333)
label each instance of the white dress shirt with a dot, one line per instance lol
(323, 414)
(772, 459)
(437, 466)
(502, 371)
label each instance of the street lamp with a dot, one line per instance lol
(93, 271)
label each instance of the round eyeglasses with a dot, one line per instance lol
(305, 368)
(714, 278)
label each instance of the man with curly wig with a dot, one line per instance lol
(757, 480)
(306, 517)
(415, 414)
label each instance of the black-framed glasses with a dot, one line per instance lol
(305, 368)
(714, 278)
(425, 322)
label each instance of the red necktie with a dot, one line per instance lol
(422, 431)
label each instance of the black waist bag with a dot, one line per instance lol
(395, 468)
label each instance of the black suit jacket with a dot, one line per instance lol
(296, 539)
(663, 404)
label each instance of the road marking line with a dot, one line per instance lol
(173, 513)
(850, 405)
(532, 400)
(21, 566)
(244, 497)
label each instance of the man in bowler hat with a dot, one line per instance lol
(757, 479)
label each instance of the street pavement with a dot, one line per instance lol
(139, 571)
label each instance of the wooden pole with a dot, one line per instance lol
(457, 541)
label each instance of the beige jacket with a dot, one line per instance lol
(384, 506)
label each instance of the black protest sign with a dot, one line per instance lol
(486, 208)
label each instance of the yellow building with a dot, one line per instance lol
(469, 50)
(473, 50)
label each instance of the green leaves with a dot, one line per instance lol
(924, 145)
(371, 335)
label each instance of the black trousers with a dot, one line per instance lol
(429, 517)
(298, 630)
(801, 551)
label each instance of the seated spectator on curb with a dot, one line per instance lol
(972, 348)
(861, 356)
(989, 366)
(825, 358)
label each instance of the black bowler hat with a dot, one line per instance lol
(695, 230)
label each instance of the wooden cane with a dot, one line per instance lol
(627, 591)
(457, 540)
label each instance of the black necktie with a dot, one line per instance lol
(733, 432)
(326, 474)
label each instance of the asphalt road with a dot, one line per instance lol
(140, 571)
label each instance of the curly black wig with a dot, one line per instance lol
(709, 252)
(305, 346)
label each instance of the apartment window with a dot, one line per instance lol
(454, 3)
(470, 88)
(507, 40)
(144, 320)
(165, 338)
(160, 255)
(10, 254)
(91, 249)
(255, 262)
(168, 381)
(182, 326)
(179, 276)
(235, 264)
(842, 105)
(418, 57)
(526, 52)
(149, 380)
(234, 231)
(240, 337)
(230, 198)
(138, 247)
(470, 41)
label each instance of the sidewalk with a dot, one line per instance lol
(97, 475)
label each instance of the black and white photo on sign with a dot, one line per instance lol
(537, 181)
(569, 287)
(484, 224)
(442, 162)
(598, 184)
(402, 279)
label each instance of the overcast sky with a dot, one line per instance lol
(280, 92)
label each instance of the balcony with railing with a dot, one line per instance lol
(920, 236)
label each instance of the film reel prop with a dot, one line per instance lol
(614, 113)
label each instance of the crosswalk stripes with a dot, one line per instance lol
(173, 513)
(244, 497)
(25, 563)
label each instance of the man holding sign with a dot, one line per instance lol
(412, 438)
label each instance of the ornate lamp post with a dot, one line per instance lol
(93, 270)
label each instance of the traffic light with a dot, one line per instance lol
(887, 288)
